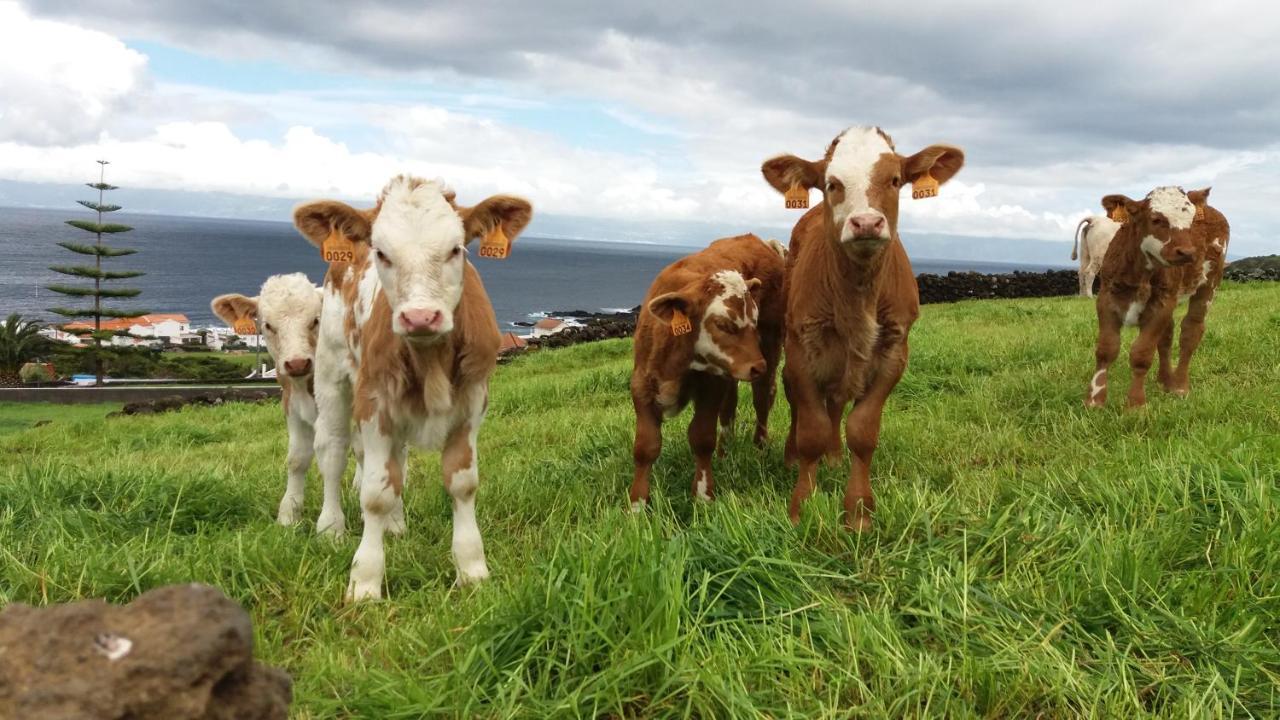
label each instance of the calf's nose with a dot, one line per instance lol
(867, 224)
(419, 321)
(756, 371)
(297, 366)
(1184, 254)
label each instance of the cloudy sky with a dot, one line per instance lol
(654, 112)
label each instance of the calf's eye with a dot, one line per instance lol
(457, 251)
(382, 257)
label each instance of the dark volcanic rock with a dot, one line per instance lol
(176, 652)
(176, 402)
(971, 286)
(1266, 267)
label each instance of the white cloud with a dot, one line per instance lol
(1052, 110)
(59, 82)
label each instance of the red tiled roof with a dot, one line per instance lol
(126, 323)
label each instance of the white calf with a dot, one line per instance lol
(1093, 236)
(408, 340)
(287, 313)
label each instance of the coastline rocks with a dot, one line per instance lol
(176, 652)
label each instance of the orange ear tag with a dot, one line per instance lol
(337, 248)
(797, 198)
(924, 187)
(680, 324)
(1120, 214)
(1199, 212)
(245, 326)
(496, 244)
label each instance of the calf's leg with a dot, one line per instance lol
(1108, 348)
(1163, 347)
(301, 450)
(380, 488)
(708, 398)
(812, 433)
(332, 437)
(765, 388)
(1152, 325)
(862, 433)
(648, 444)
(1189, 339)
(728, 416)
(462, 477)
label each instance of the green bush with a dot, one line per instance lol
(34, 373)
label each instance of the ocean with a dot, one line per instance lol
(190, 260)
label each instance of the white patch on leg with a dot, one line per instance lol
(1134, 313)
(1098, 384)
(637, 506)
(369, 563)
(468, 547)
(701, 492)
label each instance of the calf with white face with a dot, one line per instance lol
(408, 342)
(851, 301)
(287, 314)
(1171, 248)
(712, 319)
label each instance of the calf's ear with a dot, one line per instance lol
(1111, 202)
(318, 220)
(510, 213)
(666, 304)
(230, 308)
(941, 162)
(1199, 197)
(787, 171)
(753, 287)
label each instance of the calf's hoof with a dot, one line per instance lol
(331, 524)
(472, 575)
(857, 522)
(361, 591)
(395, 520)
(287, 514)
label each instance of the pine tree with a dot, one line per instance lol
(98, 250)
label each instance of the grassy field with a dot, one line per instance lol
(1030, 559)
(15, 417)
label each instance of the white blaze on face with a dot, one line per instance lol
(857, 151)
(732, 285)
(288, 318)
(418, 248)
(1173, 204)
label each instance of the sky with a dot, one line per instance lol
(645, 116)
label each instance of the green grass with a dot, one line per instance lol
(1030, 559)
(15, 417)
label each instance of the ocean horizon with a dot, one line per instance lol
(190, 260)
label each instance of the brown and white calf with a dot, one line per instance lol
(1093, 237)
(851, 300)
(1172, 248)
(408, 340)
(710, 320)
(287, 314)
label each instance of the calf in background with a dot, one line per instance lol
(1172, 248)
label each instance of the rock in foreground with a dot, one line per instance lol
(176, 652)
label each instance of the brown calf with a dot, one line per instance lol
(851, 300)
(710, 320)
(1171, 248)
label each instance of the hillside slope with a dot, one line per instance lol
(1029, 557)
